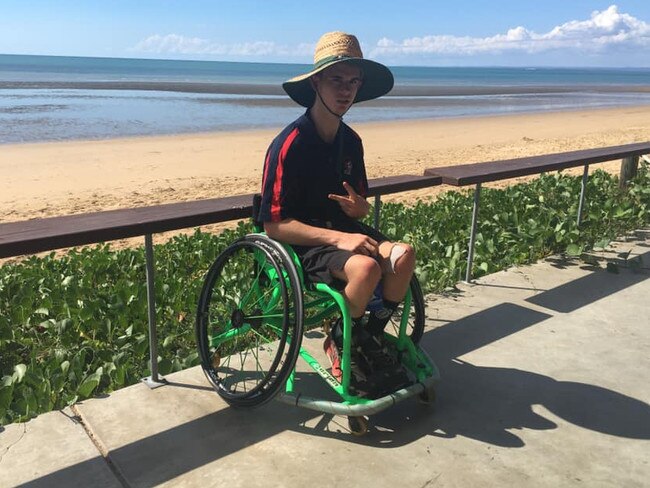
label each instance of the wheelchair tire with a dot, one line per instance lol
(249, 321)
(415, 327)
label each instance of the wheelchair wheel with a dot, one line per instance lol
(415, 324)
(249, 321)
(358, 426)
(428, 396)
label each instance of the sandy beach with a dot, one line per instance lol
(51, 179)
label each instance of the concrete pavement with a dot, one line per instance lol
(544, 383)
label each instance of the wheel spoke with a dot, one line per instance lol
(253, 288)
(269, 316)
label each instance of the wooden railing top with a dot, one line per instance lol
(470, 174)
(37, 235)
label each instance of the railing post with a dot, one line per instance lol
(153, 381)
(472, 236)
(629, 169)
(377, 210)
(583, 186)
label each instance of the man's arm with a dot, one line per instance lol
(293, 231)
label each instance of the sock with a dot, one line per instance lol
(379, 318)
(358, 330)
(337, 330)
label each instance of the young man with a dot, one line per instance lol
(313, 195)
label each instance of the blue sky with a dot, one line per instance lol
(433, 33)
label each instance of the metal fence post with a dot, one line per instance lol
(629, 169)
(472, 236)
(153, 381)
(377, 210)
(585, 176)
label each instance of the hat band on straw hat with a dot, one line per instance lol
(328, 60)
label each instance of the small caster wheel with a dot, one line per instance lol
(428, 396)
(216, 360)
(358, 425)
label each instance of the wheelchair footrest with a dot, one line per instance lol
(383, 382)
(368, 407)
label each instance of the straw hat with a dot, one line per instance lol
(339, 47)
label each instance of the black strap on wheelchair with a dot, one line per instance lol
(257, 205)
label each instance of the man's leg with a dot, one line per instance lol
(397, 263)
(361, 274)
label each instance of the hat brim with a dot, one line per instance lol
(377, 81)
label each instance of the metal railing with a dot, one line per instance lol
(29, 237)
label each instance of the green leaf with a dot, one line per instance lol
(65, 366)
(6, 395)
(89, 384)
(42, 311)
(6, 332)
(19, 372)
(165, 366)
(601, 244)
(574, 250)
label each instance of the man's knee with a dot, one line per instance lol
(363, 268)
(401, 259)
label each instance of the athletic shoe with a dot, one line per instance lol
(387, 374)
(378, 353)
(334, 351)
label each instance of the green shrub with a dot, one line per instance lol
(76, 326)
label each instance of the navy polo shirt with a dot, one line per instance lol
(301, 170)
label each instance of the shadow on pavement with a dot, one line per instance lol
(173, 452)
(486, 403)
(477, 402)
(588, 289)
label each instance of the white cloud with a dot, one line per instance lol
(604, 30)
(178, 44)
(171, 43)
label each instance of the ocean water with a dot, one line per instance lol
(46, 98)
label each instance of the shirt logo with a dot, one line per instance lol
(347, 167)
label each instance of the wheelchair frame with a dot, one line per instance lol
(278, 280)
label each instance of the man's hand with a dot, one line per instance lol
(353, 205)
(358, 243)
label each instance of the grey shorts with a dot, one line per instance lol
(318, 262)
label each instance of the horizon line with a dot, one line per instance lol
(309, 64)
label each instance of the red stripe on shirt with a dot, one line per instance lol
(266, 169)
(279, 170)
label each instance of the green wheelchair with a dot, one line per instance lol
(252, 312)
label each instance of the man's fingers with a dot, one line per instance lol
(349, 189)
(362, 250)
(371, 245)
(338, 198)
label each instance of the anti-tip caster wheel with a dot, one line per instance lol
(428, 396)
(358, 426)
